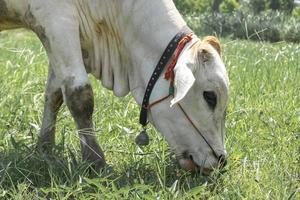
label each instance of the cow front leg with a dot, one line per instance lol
(80, 102)
(62, 43)
(53, 101)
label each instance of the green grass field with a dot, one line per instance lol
(263, 133)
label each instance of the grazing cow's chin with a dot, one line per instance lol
(188, 163)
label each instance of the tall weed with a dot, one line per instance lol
(267, 26)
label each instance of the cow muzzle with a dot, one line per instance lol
(187, 162)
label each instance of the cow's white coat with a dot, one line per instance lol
(120, 42)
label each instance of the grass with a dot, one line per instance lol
(262, 133)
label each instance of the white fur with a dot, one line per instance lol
(124, 40)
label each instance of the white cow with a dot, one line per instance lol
(120, 43)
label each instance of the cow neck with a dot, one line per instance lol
(173, 51)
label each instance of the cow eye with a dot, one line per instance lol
(210, 98)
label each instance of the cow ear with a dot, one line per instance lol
(184, 80)
(213, 41)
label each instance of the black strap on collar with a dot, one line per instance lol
(172, 46)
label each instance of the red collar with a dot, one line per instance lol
(170, 70)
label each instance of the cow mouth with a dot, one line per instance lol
(187, 162)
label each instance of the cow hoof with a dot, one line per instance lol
(99, 164)
(97, 168)
(142, 139)
(96, 162)
(44, 147)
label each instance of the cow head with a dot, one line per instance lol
(201, 88)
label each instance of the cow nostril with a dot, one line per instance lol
(191, 157)
(222, 160)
